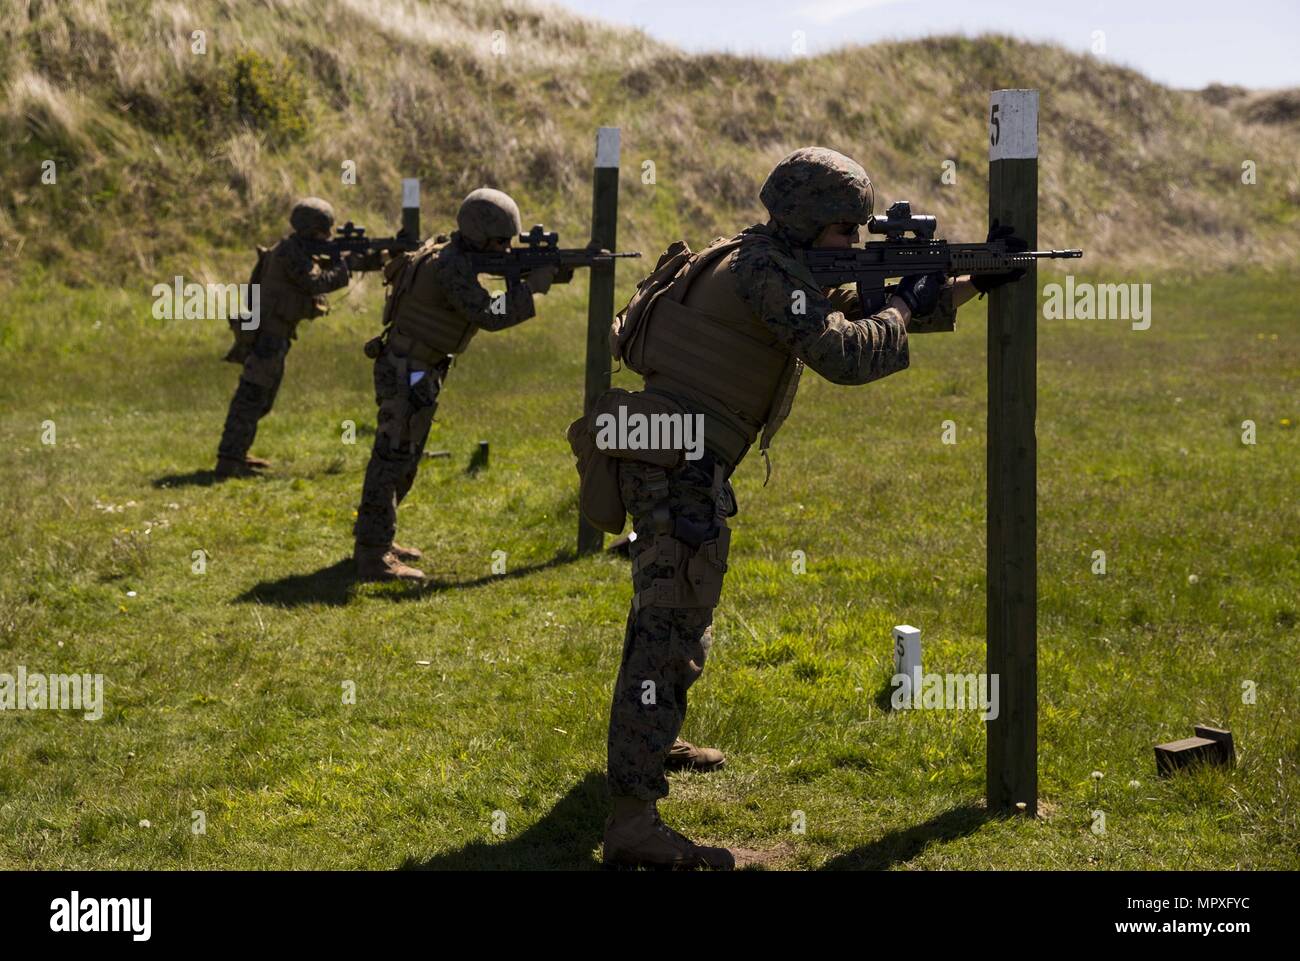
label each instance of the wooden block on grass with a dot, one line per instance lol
(1223, 738)
(1176, 755)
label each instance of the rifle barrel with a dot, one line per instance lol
(1051, 254)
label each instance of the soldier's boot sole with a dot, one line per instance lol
(684, 756)
(704, 858)
(406, 553)
(227, 468)
(387, 568)
(642, 841)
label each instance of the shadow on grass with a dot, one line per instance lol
(564, 840)
(906, 843)
(198, 478)
(333, 585)
(885, 695)
(330, 585)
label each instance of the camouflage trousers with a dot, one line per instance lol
(678, 560)
(258, 384)
(405, 416)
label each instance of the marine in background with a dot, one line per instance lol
(434, 308)
(292, 288)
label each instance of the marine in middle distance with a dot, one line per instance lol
(434, 308)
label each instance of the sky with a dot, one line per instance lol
(1251, 43)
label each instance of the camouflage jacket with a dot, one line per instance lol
(459, 289)
(294, 285)
(824, 330)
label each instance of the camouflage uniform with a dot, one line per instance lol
(406, 410)
(665, 647)
(668, 646)
(292, 288)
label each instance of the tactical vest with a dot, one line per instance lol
(424, 325)
(283, 302)
(703, 345)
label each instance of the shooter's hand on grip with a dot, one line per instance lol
(921, 292)
(539, 279)
(1004, 232)
(366, 260)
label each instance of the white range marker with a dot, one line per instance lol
(607, 146)
(410, 192)
(907, 655)
(1013, 125)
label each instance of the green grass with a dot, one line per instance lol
(224, 690)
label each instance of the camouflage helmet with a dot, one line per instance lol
(311, 214)
(488, 214)
(815, 187)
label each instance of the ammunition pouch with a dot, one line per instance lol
(414, 349)
(600, 500)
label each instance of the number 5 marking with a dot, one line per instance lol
(996, 123)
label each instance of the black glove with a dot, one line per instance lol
(563, 275)
(367, 260)
(986, 282)
(539, 279)
(921, 292)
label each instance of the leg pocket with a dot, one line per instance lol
(705, 570)
(264, 366)
(683, 577)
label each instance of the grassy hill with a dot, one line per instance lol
(484, 693)
(167, 158)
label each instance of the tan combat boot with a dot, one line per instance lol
(406, 553)
(229, 467)
(380, 565)
(685, 755)
(257, 463)
(636, 837)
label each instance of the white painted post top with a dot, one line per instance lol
(410, 192)
(905, 631)
(1013, 125)
(607, 146)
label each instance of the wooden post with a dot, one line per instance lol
(411, 207)
(1012, 563)
(600, 298)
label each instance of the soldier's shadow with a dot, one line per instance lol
(334, 585)
(330, 585)
(197, 478)
(564, 840)
(435, 585)
(900, 846)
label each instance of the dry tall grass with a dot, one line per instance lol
(160, 158)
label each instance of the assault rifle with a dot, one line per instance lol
(541, 249)
(351, 238)
(870, 265)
